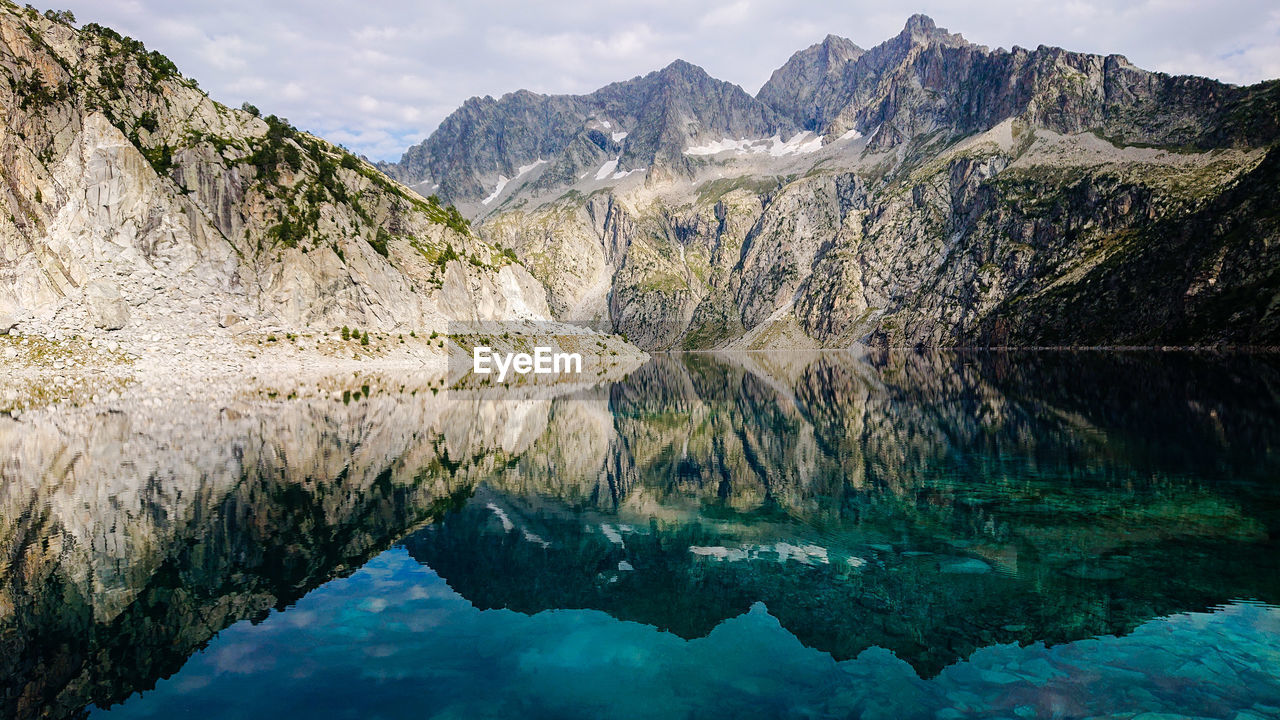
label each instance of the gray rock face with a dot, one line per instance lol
(927, 80)
(925, 192)
(640, 123)
(793, 89)
(107, 309)
(127, 181)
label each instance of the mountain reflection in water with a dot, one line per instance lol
(782, 535)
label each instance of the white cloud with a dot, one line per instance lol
(370, 34)
(384, 75)
(226, 53)
(636, 42)
(731, 14)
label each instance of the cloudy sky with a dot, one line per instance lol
(378, 76)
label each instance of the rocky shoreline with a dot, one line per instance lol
(60, 369)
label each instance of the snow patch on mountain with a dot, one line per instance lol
(607, 169)
(502, 183)
(801, 143)
(503, 180)
(718, 146)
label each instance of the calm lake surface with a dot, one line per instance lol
(891, 535)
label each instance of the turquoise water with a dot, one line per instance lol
(1050, 535)
(395, 636)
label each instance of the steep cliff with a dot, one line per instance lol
(131, 199)
(925, 192)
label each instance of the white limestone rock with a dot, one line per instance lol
(107, 308)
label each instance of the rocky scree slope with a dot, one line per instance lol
(131, 199)
(925, 192)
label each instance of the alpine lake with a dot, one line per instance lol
(792, 535)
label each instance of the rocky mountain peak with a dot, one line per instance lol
(680, 80)
(792, 88)
(630, 126)
(680, 68)
(835, 41)
(838, 50)
(818, 85)
(920, 26)
(922, 30)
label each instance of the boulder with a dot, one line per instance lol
(229, 319)
(107, 309)
(7, 323)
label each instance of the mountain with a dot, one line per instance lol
(926, 80)
(624, 127)
(132, 200)
(925, 192)
(793, 89)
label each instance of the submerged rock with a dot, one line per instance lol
(966, 566)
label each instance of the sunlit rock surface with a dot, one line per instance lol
(928, 191)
